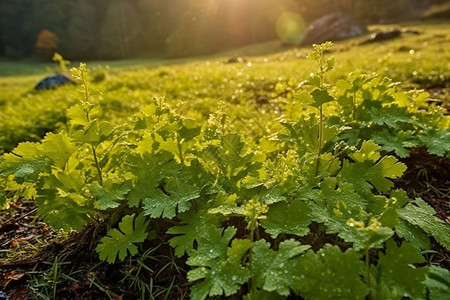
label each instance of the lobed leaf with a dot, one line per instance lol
(422, 215)
(218, 266)
(275, 270)
(119, 243)
(330, 274)
(289, 218)
(395, 276)
(197, 226)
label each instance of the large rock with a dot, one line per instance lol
(382, 36)
(54, 81)
(332, 27)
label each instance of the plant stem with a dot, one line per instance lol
(319, 151)
(320, 139)
(180, 150)
(88, 119)
(97, 165)
(368, 271)
(354, 106)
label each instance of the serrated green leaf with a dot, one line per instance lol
(438, 283)
(330, 274)
(360, 174)
(274, 270)
(175, 196)
(397, 142)
(437, 141)
(25, 162)
(218, 266)
(369, 151)
(304, 97)
(387, 167)
(413, 234)
(289, 218)
(343, 84)
(395, 278)
(303, 133)
(196, 226)
(64, 210)
(332, 192)
(391, 116)
(109, 194)
(231, 160)
(314, 81)
(95, 133)
(321, 97)
(119, 243)
(61, 200)
(189, 128)
(77, 115)
(58, 147)
(422, 215)
(149, 169)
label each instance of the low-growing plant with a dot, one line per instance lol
(46, 286)
(310, 212)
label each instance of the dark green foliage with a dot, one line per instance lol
(395, 278)
(330, 274)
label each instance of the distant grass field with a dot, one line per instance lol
(250, 91)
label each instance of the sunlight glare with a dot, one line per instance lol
(290, 27)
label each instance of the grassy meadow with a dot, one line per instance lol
(250, 91)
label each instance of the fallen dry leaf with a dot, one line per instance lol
(13, 276)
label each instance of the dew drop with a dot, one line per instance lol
(281, 265)
(213, 272)
(211, 251)
(234, 278)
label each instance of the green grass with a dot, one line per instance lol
(250, 91)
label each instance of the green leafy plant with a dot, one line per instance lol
(310, 211)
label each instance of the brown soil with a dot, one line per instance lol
(76, 257)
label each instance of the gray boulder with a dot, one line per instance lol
(332, 27)
(382, 36)
(54, 81)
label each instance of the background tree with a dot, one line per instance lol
(46, 43)
(126, 28)
(120, 30)
(83, 31)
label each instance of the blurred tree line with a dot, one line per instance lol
(112, 29)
